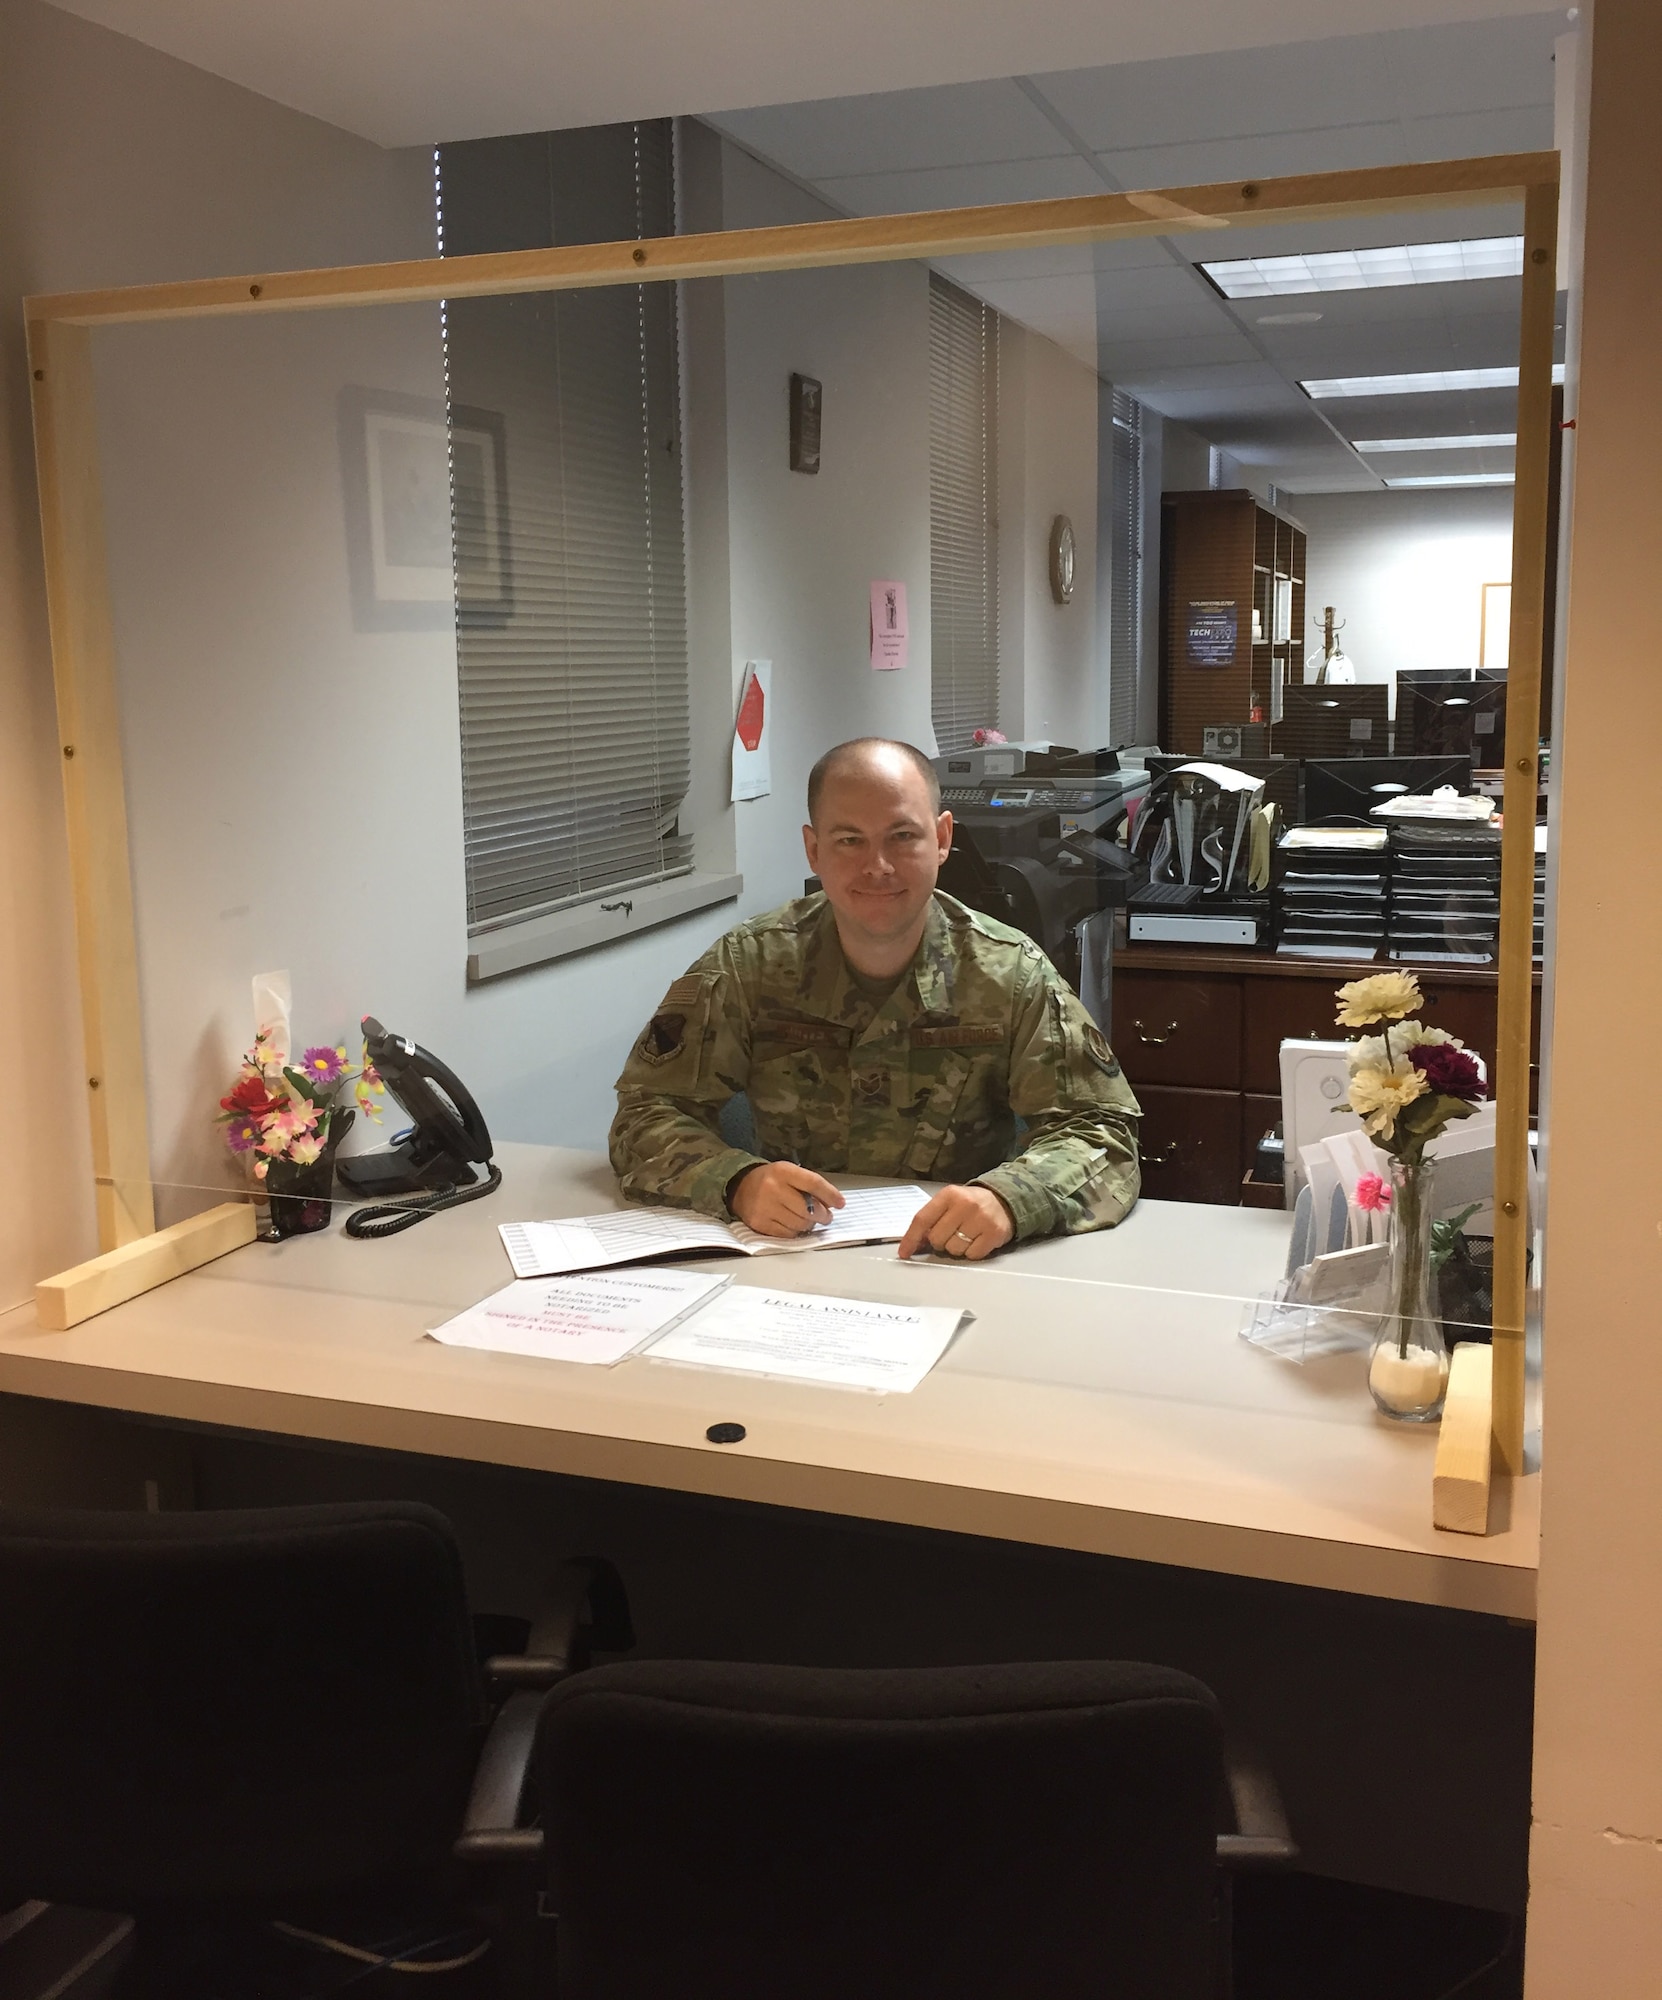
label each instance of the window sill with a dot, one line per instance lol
(559, 935)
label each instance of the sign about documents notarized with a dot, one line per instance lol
(1214, 625)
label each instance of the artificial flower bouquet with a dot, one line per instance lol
(1408, 1083)
(293, 1114)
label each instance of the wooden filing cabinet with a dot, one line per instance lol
(1198, 1031)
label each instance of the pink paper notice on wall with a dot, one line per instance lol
(888, 626)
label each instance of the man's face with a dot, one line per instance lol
(877, 844)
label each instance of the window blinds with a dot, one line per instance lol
(963, 513)
(573, 676)
(1125, 566)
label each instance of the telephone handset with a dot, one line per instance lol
(432, 1164)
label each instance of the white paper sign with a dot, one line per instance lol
(752, 773)
(810, 1337)
(596, 1319)
(889, 631)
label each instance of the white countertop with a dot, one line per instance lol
(1090, 1404)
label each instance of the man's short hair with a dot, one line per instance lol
(855, 751)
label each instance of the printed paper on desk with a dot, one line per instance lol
(809, 1337)
(752, 732)
(636, 1235)
(889, 633)
(597, 1320)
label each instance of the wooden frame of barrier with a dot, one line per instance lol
(60, 359)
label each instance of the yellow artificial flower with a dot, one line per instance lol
(1385, 996)
(1379, 1096)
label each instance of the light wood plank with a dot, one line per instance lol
(95, 798)
(1465, 1444)
(863, 240)
(1530, 556)
(142, 1265)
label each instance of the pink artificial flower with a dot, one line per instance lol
(260, 1167)
(1372, 1193)
(305, 1149)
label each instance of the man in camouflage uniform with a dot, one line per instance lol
(880, 1028)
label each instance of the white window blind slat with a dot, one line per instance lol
(575, 718)
(963, 513)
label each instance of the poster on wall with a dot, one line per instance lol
(1214, 625)
(888, 626)
(752, 775)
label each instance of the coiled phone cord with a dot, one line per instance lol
(388, 1218)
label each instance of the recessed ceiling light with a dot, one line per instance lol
(1475, 441)
(1364, 270)
(1288, 319)
(1434, 381)
(1456, 479)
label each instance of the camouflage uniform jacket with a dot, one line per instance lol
(980, 1031)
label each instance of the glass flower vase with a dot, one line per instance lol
(298, 1197)
(1408, 1368)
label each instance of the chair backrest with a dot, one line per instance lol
(230, 1707)
(750, 1832)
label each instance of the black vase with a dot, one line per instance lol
(298, 1196)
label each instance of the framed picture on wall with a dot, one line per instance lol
(426, 512)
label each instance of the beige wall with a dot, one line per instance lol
(1052, 664)
(1596, 1907)
(117, 165)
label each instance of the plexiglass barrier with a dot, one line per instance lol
(436, 626)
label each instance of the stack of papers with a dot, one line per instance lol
(1331, 892)
(638, 1235)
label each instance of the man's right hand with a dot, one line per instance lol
(782, 1199)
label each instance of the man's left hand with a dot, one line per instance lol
(968, 1222)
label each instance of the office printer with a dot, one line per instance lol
(1036, 844)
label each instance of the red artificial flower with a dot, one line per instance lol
(249, 1095)
(1449, 1071)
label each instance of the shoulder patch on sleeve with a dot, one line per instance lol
(1096, 1047)
(685, 990)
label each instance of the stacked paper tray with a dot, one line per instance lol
(1444, 891)
(1331, 892)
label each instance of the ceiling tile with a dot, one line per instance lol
(960, 187)
(1200, 163)
(1466, 134)
(1473, 66)
(899, 131)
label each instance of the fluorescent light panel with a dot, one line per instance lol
(1482, 441)
(1365, 270)
(1456, 479)
(1434, 382)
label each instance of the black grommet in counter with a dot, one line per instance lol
(725, 1434)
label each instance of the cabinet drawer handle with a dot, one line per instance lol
(1166, 1154)
(1154, 1041)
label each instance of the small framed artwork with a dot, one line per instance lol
(426, 512)
(807, 404)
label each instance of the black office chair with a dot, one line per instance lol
(748, 1832)
(251, 1715)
